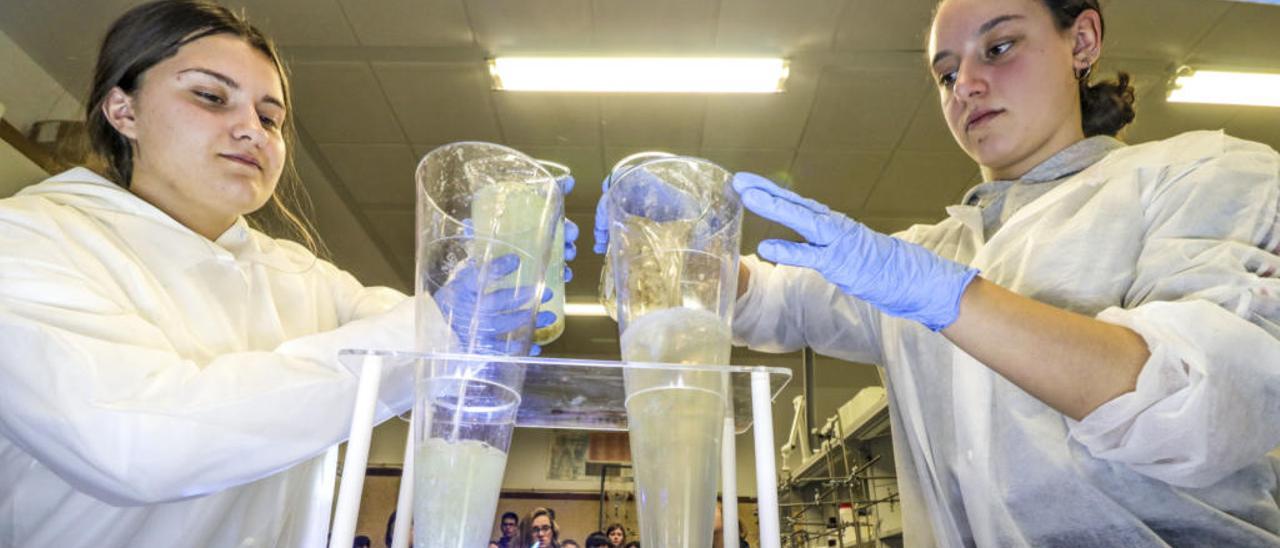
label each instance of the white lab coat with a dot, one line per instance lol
(1177, 240)
(159, 389)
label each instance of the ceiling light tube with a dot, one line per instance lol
(639, 74)
(584, 309)
(1226, 88)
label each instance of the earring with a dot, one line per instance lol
(1083, 74)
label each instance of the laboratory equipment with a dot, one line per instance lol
(594, 400)
(602, 230)
(674, 230)
(486, 220)
(555, 267)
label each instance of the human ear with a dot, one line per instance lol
(117, 108)
(1086, 34)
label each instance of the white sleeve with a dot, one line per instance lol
(96, 392)
(1207, 302)
(786, 308)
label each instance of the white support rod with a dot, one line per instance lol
(729, 470)
(766, 471)
(357, 459)
(404, 502)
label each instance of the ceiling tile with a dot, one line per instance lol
(409, 22)
(1257, 124)
(299, 22)
(655, 26)
(841, 180)
(340, 102)
(505, 27)
(774, 163)
(920, 183)
(1133, 31)
(549, 118)
(788, 29)
(374, 174)
(653, 120)
(876, 25)
(765, 120)
(587, 170)
(440, 103)
(1157, 119)
(864, 110)
(394, 228)
(1247, 37)
(928, 131)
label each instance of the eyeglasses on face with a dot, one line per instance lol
(541, 528)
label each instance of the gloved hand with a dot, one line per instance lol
(899, 278)
(570, 232)
(482, 322)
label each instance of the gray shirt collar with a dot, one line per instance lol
(1065, 163)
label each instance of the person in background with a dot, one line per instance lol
(597, 540)
(361, 541)
(617, 535)
(494, 544)
(539, 528)
(170, 372)
(569, 544)
(632, 544)
(509, 525)
(1111, 378)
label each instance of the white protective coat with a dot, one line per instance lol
(1177, 240)
(159, 389)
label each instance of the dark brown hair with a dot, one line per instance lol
(153, 32)
(1107, 106)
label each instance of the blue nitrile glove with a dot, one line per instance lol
(668, 204)
(899, 278)
(570, 232)
(481, 322)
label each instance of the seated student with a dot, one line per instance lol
(597, 540)
(569, 544)
(510, 526)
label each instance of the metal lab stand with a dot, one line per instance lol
(569, 394)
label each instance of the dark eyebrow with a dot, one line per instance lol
(985, 28)
(231, 83)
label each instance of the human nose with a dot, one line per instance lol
(248, 127)
(970, 80)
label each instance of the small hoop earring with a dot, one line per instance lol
(1083, 74)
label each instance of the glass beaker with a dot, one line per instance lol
(675, 227)
(486, 217)
(555, 268)
(607, 295)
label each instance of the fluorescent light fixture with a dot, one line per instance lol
(1226, 88)
(639, 74)
(584, 309)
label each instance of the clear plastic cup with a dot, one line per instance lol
(555, 268)
(607, 294)
(675, 227)
(481, 208)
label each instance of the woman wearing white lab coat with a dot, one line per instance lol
(1112, 378)
(169, 373)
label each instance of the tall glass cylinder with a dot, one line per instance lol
(675, 227)
(555, 267)
(486, 219)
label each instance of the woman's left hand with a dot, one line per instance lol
(900, 278)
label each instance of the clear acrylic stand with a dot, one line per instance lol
(567, 394)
